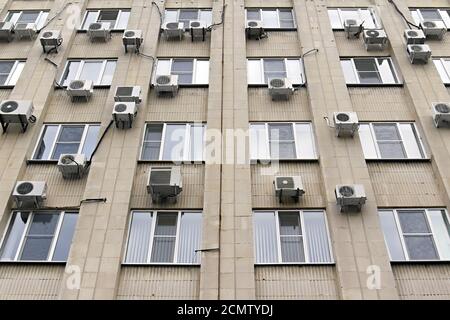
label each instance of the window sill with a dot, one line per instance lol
(112, 31)
(103, 86)
(187, 86)
(268, 161)
(52, 162)
(404, 262)
(280, 29)
(125, 264)
(6, 87)
(399, 160)
(265, 85)
(352, 85)
(169, 162)
(299, 264)
(33, 262)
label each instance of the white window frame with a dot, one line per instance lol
(152, 234)
(444, 65)
(40, 20)
(304, 238)
(56, 236)
(417, 15)
(15, 72)
(194, 70)
(289, 74)
(358, 80)
(80, 70)
(199, 12)
(277, 11)
(98, 14)
(376, 20)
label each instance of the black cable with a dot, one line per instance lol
(93, 200)
(98, 143)
(56, 15)
(221, 19)
(410, 24)
(159, 11)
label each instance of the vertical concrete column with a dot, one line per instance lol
(357, 238)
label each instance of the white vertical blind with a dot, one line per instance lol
(305, 141)
(317, 236)
(190, 237)
(139, 237)
(441, 230)
(13, 236)
(265, 235)
(410, 141)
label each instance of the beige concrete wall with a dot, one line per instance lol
(278, 44)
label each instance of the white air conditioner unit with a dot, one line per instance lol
(128, 94)
(434, 29)
(419, 53)
(173, 30)
(280, 88)
(413, 36)
(30, 194)
(350, 197)
(124, 114)
(99, 30)
(6, 31)
(166, 84)
(254, 29)
(441, 114)
(164, 183)
(288, 187)
(353, 28)
(132, 38)
(345, 123)
(51, 40)
(375, 39)
(16, 111)
(25, 30)
(197, 29)
(72, 166)
(80, 89)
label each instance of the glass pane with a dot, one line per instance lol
(6, 66)
(71, 133)
(174, 142)
(387, 71)
(196, 148)
(441, 230)
(253, 14)
(410, 141)
(294, 71)
(91, 140)
(367, 18)
(202, 72)
(153, 132)
(139, 237)
(274, 65)
(349, 74)
(46, 143)
(317, 236)
(70, 72)
(289, 223)
(430, 14)
(206, 16)
(258, 142)
(369, 77)
(63, 148)
(108, 16)
(391, 235)
(163, 249)
(305, 141)
(281, 132)
(123, 20)
(3, 79)
(182, 65)
(108, 74)
(391, 150)
(415, 16)
(43, 224)
(270, 18)
(163, 67)
(166, 224)
(29, 16)
(12, 17)
(190, 237)
(334, 19)
(265, 237)
(367, 71)
(292, 249)
(36, 248)
(285, 14)
(42, 20)
(170, 15)
(91, 17)
(254, 75)
(421, 248)
(282, 150)
(65, 237)
(150, 150)
(386, 131)
(413, 221)
(442, 71)
(13, 236)
(365, 65)
(91, 71)
(16, 74)
(187, 14)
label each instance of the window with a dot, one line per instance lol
(291, 237)
(29, 16)
(391, 141)
(187, 15)
(189, 71)
(416, 234)
(38, 236)
(57, 139)
(419, 15)
(101, 72)
(164, 237)
(10, 71)
(369, 71)
(443, 67)
(260, 70)
(117, 19)
(174, 142)
(272, 18)
(282, 141)
(366, 15)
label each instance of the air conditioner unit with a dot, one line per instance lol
(164, 183)
(413, 36)
(124, 114)
(375, 39)
(353, 28)
(30, 194)
(345, 123)
(51, 40)
(288, 187)
(128, 94)
(280, 88)
(419, 53)
(166, 84)
(197, 29)
(6, 31)
(99, 30)
(72, 166)
(16, 111)
(441, 114)
(434, 29)
(80, 89)
(350, 197)
(173, 30)
(25, 30)
(254, 29)
(132, 38)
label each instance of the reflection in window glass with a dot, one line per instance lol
(13, 236)
(65, 237)
(174, 142)
(46, 143)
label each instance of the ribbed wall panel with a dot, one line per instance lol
(97, 4)
(440, 48)
(19, 50)
(268, 4)
(184, 48)
(278, 44)
(4, 94)
(296, 282)
(149, 282)
(30, 5)
(355, 47)
(84, 48)
(189, 3)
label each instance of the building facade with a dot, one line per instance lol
(228, 236)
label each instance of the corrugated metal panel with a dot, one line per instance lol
(4, 94)
(184, 48)
(398, 184)
(268, 4)
(263, 192)
(18, 50)
(83, 48)
(296, 282)
(262, 108)
(423, 281)
(380, 103)
(149, 282)
(440, 48)
(190, 197)
(29, 282)
(278, 44)
(189, 4)
(355, 47)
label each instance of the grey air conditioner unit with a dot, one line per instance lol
(6, 31)
(434, 29)
(164, 183)
(413, 36)
(350, 197)
(30, 194)
(99, 31)
(345, 123)
(197, 29)
(25, 30)
(419, 53)
(17, 112)
(72, 166)
(441, 114)
(124, 114)
(353, 28)
(375, 39)
(80, 89)
(166, 84)
(288, 187)
(132, 38)
(173, 30)
(128, 94)
(51, 40)
(280, 88)
(254, 29)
